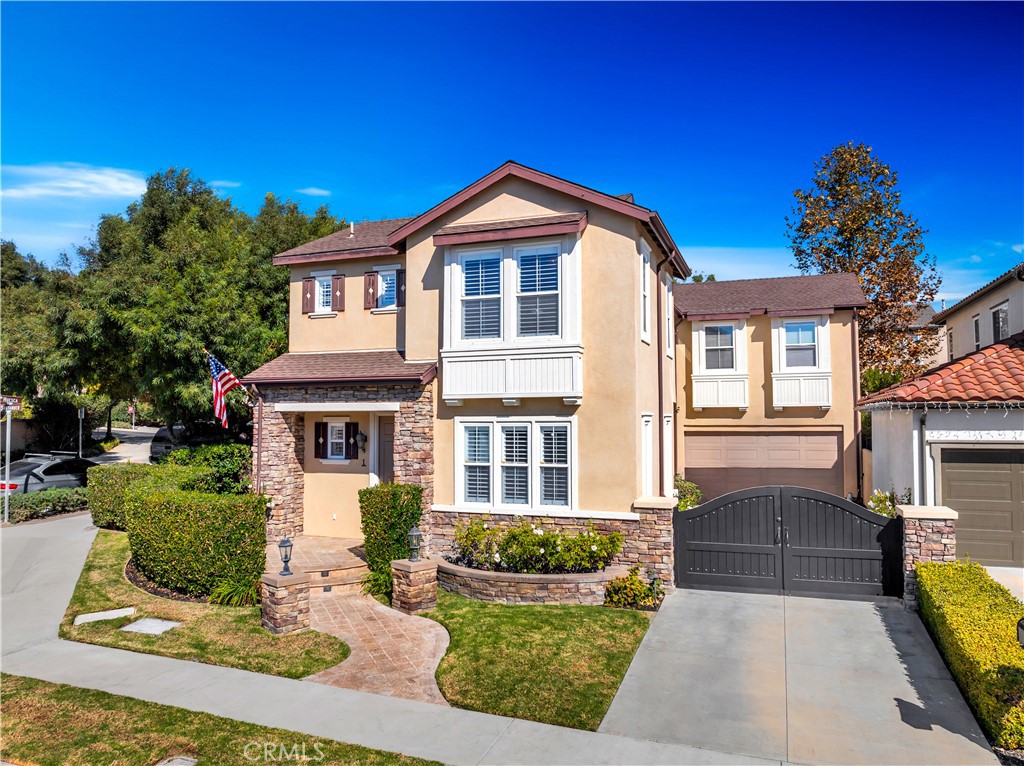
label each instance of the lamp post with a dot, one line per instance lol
(285, 548)
(414, 543)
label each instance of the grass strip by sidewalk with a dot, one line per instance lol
(554, 664)
(217, 635)
(54, 724)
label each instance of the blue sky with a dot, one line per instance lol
(712, 113)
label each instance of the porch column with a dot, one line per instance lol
(282, 442)
(655, 544)
(929, 534)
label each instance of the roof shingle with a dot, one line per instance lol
(368, 235)
(774, 295)
(992, 374)
(342, 367)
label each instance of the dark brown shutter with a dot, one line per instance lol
(320, 440)
(338, 293)
(400, 287)
(370, 290)
(351, 446)
(308, 295)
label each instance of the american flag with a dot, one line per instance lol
(223, 381)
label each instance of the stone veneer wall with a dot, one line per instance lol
(509, 588)
(929, 534)
(283, 444)
(646, 541)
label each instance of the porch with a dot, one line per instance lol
(338, 563)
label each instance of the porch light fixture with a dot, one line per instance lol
(361, 441)
(414, 543)
(285, 548)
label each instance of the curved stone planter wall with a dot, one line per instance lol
(509, 588)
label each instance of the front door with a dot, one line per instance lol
(386, 449)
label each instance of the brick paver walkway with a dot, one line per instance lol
(392, 653)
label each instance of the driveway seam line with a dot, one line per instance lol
(490, 747)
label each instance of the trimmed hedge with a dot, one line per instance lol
(190, 541)
(49, 502)
(388, 511)
(973, 620)
(228, 466)
(108, 486)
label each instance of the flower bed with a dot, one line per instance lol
(530, 549)
(585, 588)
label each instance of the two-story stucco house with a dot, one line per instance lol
(767, 380)
(512, 350)
(990, 314)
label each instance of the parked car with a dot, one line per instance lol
(36, 472)
(179, 436)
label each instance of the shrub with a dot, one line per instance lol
(689, 494)
(632, 592)
(529, 549)
(190, 541)
(388, 511)
(108, 486)
(50, 502)
(233, 591)
(228, 466)
(974, 622)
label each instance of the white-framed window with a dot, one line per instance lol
(323, 303)
(481, 295)
(646, 455)
(1001, 322)
(645, 292)
(668, 451)
(801, 344)
(977, 331)
(334, 439)
(538, 299)
(670, 319)
(387, 288)
(719, 347)
(516, 463)
(949, 348)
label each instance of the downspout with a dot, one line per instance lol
(922, 498)
(858, 431)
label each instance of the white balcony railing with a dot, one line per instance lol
(801, 389)
(720, 391)
(512, 374)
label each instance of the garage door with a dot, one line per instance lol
(722, 463)
(986, 487)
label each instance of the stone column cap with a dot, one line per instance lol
(275, 580)
(665, 503)
(405, 565)
(937, 512)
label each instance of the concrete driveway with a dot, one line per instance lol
(134, 445)
(802, 680)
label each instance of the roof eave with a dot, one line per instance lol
(421, 379)
(335, 255)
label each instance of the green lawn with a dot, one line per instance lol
(217, 635)
(554, 664)
(44, 723)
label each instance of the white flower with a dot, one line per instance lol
(538, 531)
(533, 526)
(558, 548)
(593, 547)
(485, 526)
(497, 557)
(541, 550)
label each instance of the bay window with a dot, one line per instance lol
(515, 464)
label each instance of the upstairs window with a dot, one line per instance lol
(977, 332)
(670, 317)
(387, 289)
(801, 344)
(538, 298)
(1000, 322)
(323, 294)
(645, 292)
(719, 347)
(481, 297)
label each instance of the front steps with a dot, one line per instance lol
(331, 562)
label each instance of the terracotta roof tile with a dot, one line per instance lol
(778, 294)
(992, 374)
(342, 367)
(369, 235)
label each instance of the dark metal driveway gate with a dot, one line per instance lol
(788, 540)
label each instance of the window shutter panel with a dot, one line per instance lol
(320, 440)
(370, 290)
(351, 447)
(400, 287)
(338, 293)
(308, 295)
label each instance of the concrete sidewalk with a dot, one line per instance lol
(41, 564)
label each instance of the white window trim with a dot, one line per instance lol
(534, 507)
(1001, 306)
(668, 453)
(645, 292)
(739, 340)
(976, 323)
(386, 268)
(670, 315)
(822, 346)
(518, 251)
(646, 454)
(317, 310)
(329, 459)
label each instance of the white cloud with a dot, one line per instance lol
(315, 191)
(740, 262)
(70, 179)
(1017, 248)
(975, 259)
(225, 184)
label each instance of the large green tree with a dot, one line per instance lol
(851, 220)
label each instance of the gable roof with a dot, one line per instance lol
(357, 240)
(993, 374)
(1017, 272)
(817, 293)
(352, 367)
(650, 219)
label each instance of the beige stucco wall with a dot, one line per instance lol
(961, 321)
(331, 500)
(355, 328)
(761, 417)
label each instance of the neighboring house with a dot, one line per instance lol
(767, 380)
(954, 436)
(925, 323)
(511, 350)
(989, 314)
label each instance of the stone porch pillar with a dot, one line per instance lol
(415, 585)
(655, 544)
(285, 602)
(929, 534)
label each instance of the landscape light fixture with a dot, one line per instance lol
(285, 547)
(414, 543)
